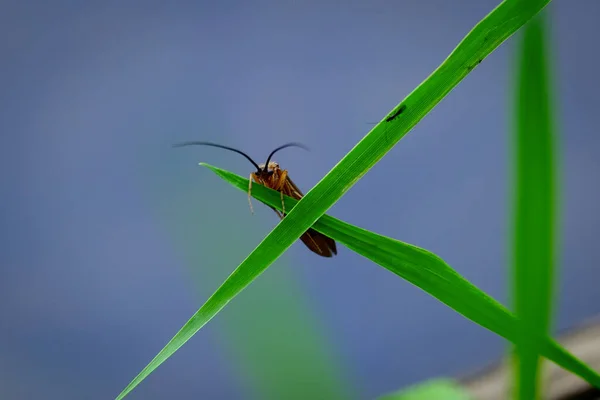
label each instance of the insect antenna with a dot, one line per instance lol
(221, 147)
(281, 148)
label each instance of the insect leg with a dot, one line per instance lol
(282, 180)
(250, 191)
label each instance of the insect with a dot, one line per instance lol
(272, 176)
(396, 113)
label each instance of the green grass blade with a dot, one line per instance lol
(484, 38)
(534, 244)
(428, 272)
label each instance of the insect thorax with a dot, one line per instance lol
(273, 166)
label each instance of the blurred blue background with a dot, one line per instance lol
(111, 239)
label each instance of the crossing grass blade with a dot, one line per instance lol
(534, 250)
(428, 272)
(484, 38)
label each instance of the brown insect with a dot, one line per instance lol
(272, 176)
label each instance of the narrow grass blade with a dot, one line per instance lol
(534, 244)
(484, 38)
(428, 272)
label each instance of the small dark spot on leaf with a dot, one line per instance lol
(472, 66)
(399, 111)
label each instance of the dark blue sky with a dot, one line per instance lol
(112, 239)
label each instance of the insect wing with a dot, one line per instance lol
(315, 241)
(319, 243)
